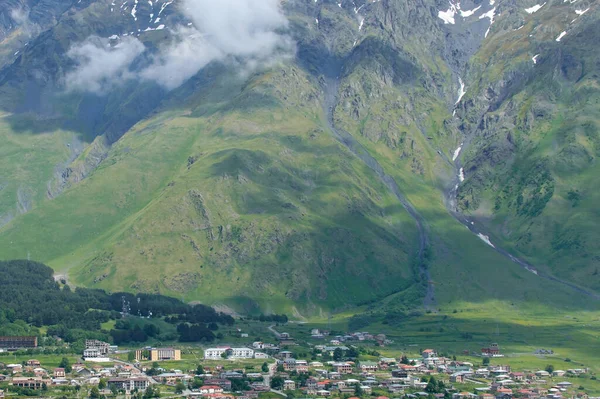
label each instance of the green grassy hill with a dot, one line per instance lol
(240, 190)
(531, 163)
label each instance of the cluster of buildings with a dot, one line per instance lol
(381, 339)
(347, 378)
(33, 375)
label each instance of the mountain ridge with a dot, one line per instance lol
(263, 145)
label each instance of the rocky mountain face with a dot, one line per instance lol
(341, 169)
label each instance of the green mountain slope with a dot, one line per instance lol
(262, 205)
(531, 165)
(325, 180)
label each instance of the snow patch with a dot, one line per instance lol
(457, 152)
(461, 175)
(468, 13)
(448, 15)
(490, 14)
(485, 239)
(558, 39)
(461, 90)
(535, 8)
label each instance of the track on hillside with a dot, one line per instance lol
(331, 88)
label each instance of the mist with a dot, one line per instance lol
(21, 20)
(249, 33)
(101, 66)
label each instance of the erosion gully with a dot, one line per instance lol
(331, 85)
(331, 88)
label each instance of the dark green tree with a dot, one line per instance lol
(277, 382)
(338, 354)
(66, 364)
(94, 393)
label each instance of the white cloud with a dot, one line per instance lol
(21, 19)
(247, 31)
(100, 65)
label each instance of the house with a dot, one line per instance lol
(564, 384)
(486, 396)
(542, 373)
(428, 353)
(491, 351)
(517, 376)
(33, 363)
(289, 364)
(558, 373)
(231, 374)
(484, 373)
(96, 348)
(129, 384)
(464, 395)
(15, 367)
(157, 354)
(301, 366)
(205, 389)
(457, 377)
(30, 382)
(289, 385)
(40, 372)
(222, 382)
(59, 372)
(258, 345)
(311, 383)
(368, 366)
(260, 387)
(139, 383)
(503, 391)
(171, 378)
(400, 373)
(343, 368)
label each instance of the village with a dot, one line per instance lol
(342, 366)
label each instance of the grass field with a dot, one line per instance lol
(28, 161)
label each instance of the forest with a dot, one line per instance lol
(30, 298)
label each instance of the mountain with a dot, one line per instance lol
(305, 156)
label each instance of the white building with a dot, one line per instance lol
(231, 353)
